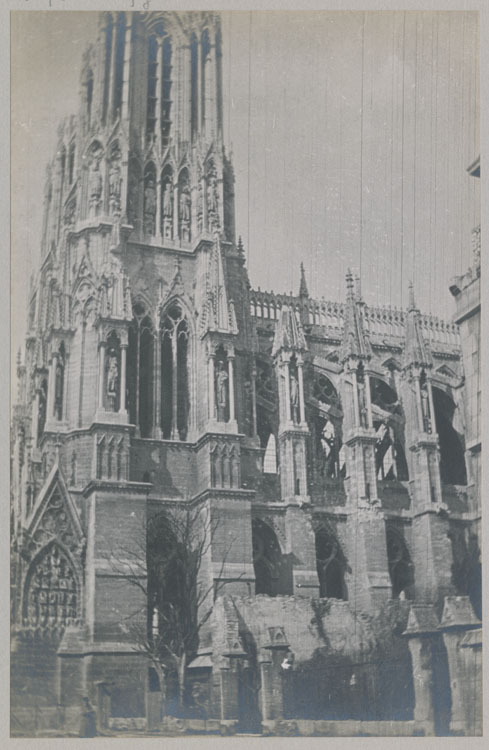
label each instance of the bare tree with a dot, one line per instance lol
(166, 563)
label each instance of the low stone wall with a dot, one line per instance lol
(348, 728)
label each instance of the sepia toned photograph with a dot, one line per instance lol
(245, 438)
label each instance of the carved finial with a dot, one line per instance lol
(240, 246)
(349, 284)
(303, 291)
(411, 303)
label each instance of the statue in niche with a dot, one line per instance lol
(425, 408)
(115, 180)
(212, 202)
(221, 386)
(149, 207)
(94, 187)
(112, 379)
(167, 200)
(294, 397)
(133, 200)
(328, 445)
(362, 402)
(200, 208)
(58, 388)
(73, 469)
(184, 209)
(167, 209)
(41, 413)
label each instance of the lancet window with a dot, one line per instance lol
(326, 429)
(109, 31)
(118, 66)
(452, 448)
(401, 569)
(166, 85)
(388, 423)
(174, 374)
(272, 574)
(330, 563)
(270, 457)
(141, 371)
(152, 83)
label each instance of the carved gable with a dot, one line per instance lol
(54, 518)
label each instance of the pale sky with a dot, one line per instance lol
(351, 133)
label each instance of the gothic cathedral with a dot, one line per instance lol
(324, 440)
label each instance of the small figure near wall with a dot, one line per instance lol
(88, 727)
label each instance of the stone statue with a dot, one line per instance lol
(185, 204)
(294, 397)
(149, 207)
(362, 404)
(133, 201)
(115, 186)
(167, 201)
(328, 446)
(58, 390)
(112, 379)
(221, 380)
(94, 187)
(212, 196)
(425, 407)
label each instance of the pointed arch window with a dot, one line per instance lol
(272, 574)
(452, 446)
(270, 457)
(401, 569)
(174, 374)
(166, 86)
(194, 84)
(109, 30)
(51, 598)
(141, 370)
(330, 565)
(119, 65)
(151, 86)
